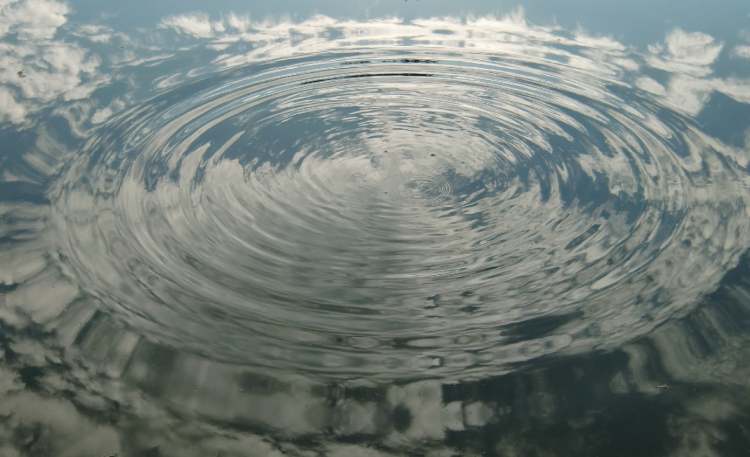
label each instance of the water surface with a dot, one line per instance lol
(403, 228)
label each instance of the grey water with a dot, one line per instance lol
(374, 229)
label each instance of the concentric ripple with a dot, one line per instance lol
(371, 211)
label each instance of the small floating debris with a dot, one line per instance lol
(21, 74)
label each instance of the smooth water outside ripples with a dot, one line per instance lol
(443, 235)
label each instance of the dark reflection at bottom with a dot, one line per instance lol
(77, 383)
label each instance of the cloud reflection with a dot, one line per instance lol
(71, 370)
(688, 58)
(32, 19)
(37, 67)
(742, 52)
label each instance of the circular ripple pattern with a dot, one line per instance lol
(389, 214)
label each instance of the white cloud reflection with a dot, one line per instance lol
(36, 68)
(685, 52)
(689, 58)
(10, 109)
(742, 52)
(197, 25)
(32, 19)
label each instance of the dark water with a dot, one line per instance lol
(374, 229)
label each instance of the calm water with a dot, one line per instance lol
(374, 229)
